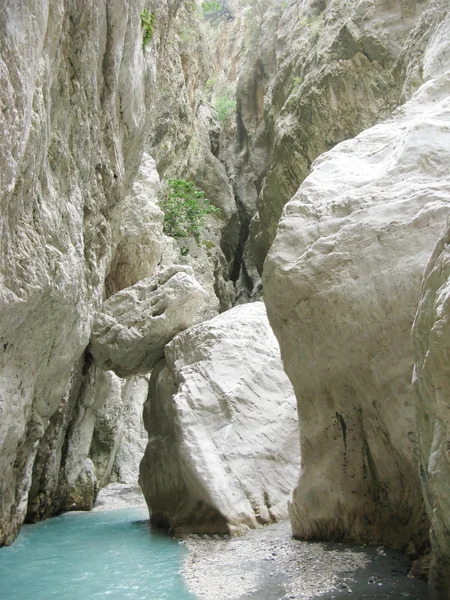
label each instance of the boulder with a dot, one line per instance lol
(134, 325)
(223, 442)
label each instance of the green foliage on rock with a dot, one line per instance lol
(225, 107)
(185, 209)
(147, 22)
(216, 10)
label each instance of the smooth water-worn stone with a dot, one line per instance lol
(342, 283)
(134, 325)
(223, 441)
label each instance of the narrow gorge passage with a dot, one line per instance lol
(224, 293)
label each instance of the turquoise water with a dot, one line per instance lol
(110, 555)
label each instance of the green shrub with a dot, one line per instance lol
(215, 10)
(147, 22)
(225, 107)
(185, 209)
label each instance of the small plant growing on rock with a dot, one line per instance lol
(147, 22)
(185, 209)
(297, 81)
(225, 107)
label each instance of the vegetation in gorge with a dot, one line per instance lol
(225, 107)
(147, 22)
(185, 209)
(215, 10)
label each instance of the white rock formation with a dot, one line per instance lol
(139, 240)
(133, 438)
(74, 86)
(431, 335)
(432, 379)
(223, 434)
(134, 325)
(342, 283)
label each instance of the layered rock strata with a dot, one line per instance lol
(342, 284)
(223, 434)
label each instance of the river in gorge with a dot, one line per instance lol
(110, 555)
(116, 555)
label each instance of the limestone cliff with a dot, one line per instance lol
(342, 284)
(74, 88)
(310, 74)
(79, 222)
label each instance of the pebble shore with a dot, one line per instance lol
(267, 564)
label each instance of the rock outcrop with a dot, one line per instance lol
(342, 284)
(223, 434)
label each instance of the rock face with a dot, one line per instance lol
(342, 284)
(431, 330)
(79, 220)
(134, 325)
(139, 244)
(184, 145)
(132, 439)
(74, 85)
(310, 75)
(432, 379)
(223, 435)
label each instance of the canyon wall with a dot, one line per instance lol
(81, 98)
(74, 89)
(94, 294)
(310, 74)
(342, 284)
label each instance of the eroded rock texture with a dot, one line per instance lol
(223, 434)
(432, 379)
(74, 84)
(342, 284)
(310, 75)
(134, 325)
(431, 331)
(80, 222)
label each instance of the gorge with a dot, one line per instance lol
(266, 342)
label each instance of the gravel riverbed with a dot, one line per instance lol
(267, 564)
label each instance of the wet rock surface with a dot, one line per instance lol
(267, 564)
